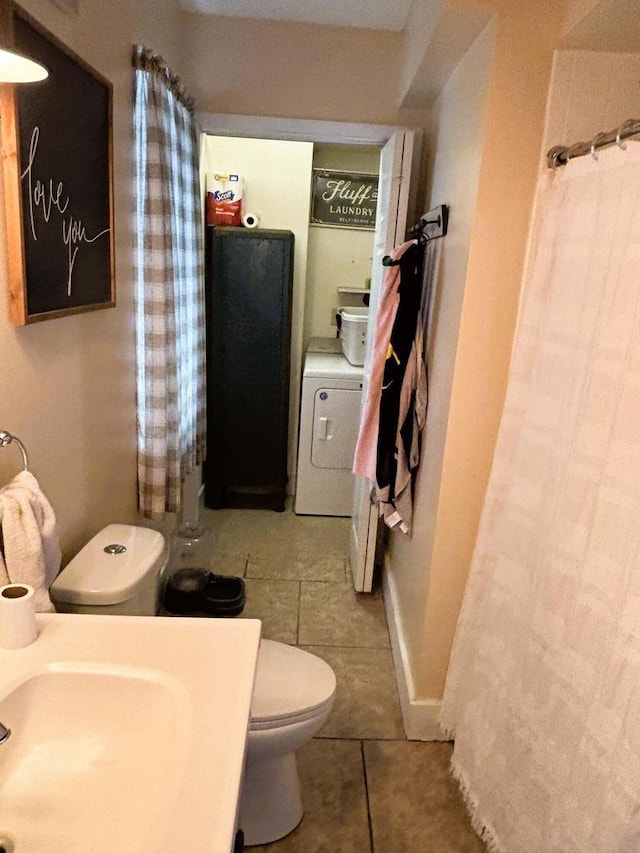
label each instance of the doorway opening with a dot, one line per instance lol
(326, 258)
(332, 265)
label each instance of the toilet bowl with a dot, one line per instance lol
(117, 572)
(292, 697)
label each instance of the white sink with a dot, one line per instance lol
(128, 734)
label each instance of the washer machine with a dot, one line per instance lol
(329, 421)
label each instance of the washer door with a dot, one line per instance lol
(336, 417)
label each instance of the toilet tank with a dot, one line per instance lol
(115, 573)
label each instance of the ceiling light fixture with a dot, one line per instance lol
(16, 68)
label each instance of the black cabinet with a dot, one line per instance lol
(249, 282)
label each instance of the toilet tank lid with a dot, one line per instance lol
(289, 681)
(97, 577)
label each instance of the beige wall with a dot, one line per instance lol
(278, 188)
(270, 68)
(575, 11)
(421, 24)
(67, 386)
(337, 256)
(474, 320)
(457, 146)
(590, 92)
(602, 25)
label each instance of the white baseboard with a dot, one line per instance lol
(420, 716)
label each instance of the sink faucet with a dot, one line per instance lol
(5, 733)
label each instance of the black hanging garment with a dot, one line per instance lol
(403, 399)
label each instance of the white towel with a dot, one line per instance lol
(30, 549)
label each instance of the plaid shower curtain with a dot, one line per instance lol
(169, 276)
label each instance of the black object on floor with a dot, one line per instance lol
(198, 591)
(224, 596)
(184, 590)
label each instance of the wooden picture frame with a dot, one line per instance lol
(58, 177)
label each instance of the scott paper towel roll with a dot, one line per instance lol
(18, 627)
(250, 220)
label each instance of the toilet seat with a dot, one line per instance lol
(290, 719)
(291, 686)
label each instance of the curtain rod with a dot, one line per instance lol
(144, 59)
(560, 155)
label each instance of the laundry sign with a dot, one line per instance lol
(344, 199)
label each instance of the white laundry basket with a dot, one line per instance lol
(354, 333)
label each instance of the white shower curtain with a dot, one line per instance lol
(543, 692)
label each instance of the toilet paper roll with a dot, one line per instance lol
(18, 627)
(250, 220)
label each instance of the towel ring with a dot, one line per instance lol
(6, 439)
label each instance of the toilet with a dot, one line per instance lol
(292, 696)
(118, 572)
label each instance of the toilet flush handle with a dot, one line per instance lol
(322, 428)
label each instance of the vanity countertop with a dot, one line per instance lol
(127, 731)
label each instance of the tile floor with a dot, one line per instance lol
(366, 789)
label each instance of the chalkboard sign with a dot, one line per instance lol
(58, 177)
(344, 199)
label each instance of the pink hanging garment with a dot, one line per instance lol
(364, 462)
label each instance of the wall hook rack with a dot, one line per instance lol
(432, 224)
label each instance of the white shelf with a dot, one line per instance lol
(361, 290)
